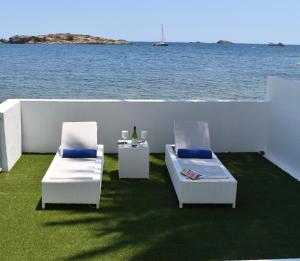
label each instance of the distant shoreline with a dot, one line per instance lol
(68, 38)
(125, 42)
(61, 38)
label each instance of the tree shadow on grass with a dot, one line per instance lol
(140, 220)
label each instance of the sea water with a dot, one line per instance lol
(141, 71)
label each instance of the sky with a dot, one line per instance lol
(245, 21)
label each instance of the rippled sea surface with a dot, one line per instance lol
(141, 71)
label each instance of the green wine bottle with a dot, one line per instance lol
(134, 137)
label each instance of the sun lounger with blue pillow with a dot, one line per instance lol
(209, 182)
(75, 174)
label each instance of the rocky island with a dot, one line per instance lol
(61, 38)
(224, 42)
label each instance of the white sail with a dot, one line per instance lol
(162, 33)
(162, 41)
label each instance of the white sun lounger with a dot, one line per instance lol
(217, 186)
(75, 180)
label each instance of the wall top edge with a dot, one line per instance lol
(281, 79)
(7, 104)
(142, 101)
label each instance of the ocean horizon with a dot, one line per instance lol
(181, 71)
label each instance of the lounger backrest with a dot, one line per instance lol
(79, 135)
(191, 134)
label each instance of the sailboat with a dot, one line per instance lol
(162, 42)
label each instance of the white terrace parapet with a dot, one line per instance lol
(10, 133)
(235, 126)
(283, 136)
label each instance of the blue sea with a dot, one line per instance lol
(141, 71)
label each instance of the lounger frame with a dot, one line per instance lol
(204, 191)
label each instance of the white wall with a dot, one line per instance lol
(234, 126)
(283, 137)
(272, 125)
(10, 133)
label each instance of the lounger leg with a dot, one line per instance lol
(233, 205)
(43, 205)
(180, 205)
(97, 205)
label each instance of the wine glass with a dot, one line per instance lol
(144, 135)
(124, 135)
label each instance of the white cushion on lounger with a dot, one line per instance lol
(74, 168)
(209, 168)
(79, 135)
(191, 134)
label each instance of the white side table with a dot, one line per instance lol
(133, 161)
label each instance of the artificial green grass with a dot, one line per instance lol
(140, 219)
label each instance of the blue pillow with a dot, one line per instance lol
(79, 153)
(194, 153)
